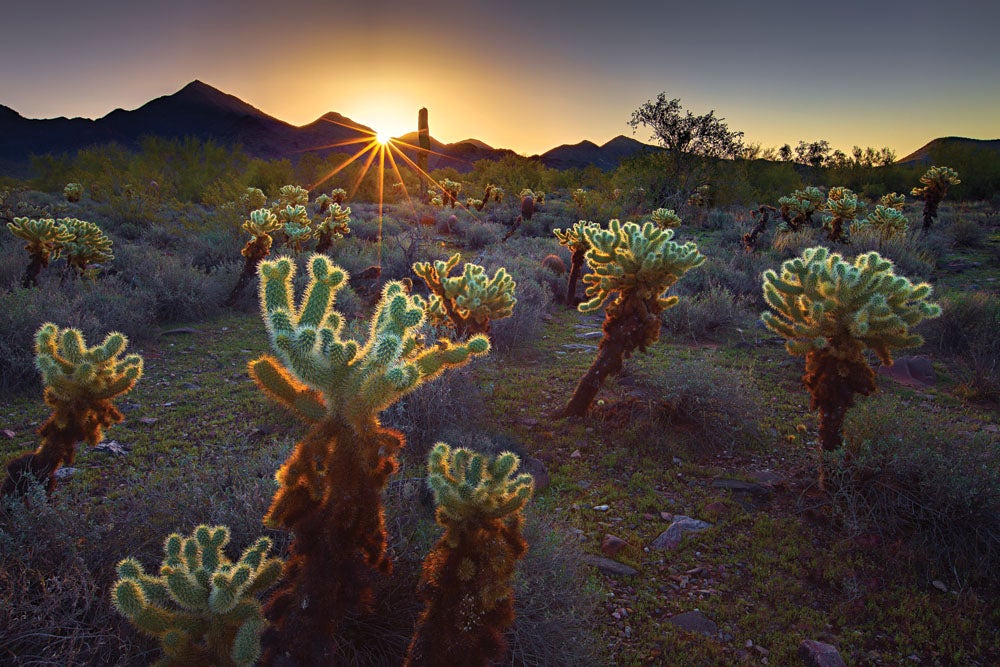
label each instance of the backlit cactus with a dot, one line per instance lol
(334, 226)
(323, 203)
(260, 226)
(633, 267)
(700, 196)
(73, 192)
(665, 218)
(338, 195)
(936, 181)
(451, 190)
(291, 195)
(886, 221)
(202, 606)
(843, 207)
(574, 240)
(466, 580)
(330, 486)
(45, 239)
(252, 199)
(81, 384)
(893, 200)
(830, 310)
(468, 302)
(88, 245)
(477, 204)
(296, 225)
(797, 209)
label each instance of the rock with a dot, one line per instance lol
(916, 371)
(10, 434)
(718, 508)
(753, 494)
(576, 454)
(591, 335)
(538, 472)
(940, 585)
(601, 508)
(611, 545)
(671, 538)
(180, 330)
(817, 654)
(112, 447)
(579, 347)
(695, 621)
(148, 420)
(64, 473)
(768, 479)
(610, 567)
(189, 385)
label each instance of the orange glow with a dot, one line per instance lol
(382, 138)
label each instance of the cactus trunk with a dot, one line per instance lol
(35, 266)
(931, 202)
(576, 266)
(334, 509)
(424, 141)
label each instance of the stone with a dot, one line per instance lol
(610, 567)
(579, 347)
(753, 495)
(611, 545)
(149, 421)
(917, 371)
(591, 335)
(178, 331)
(189, 385)
(695, 621)
(112, 447)
(10, 434)
(671, 538)
(817, 654)
(64, 472)
(768, 479)
(538, 472)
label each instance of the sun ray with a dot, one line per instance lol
(342, 165)
(399, 142)
(373, 147)
(406, 193)
(338, 144)
(438, 185)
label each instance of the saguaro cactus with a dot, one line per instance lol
(202, 606)
(466, 580)
(830, 310)
(329, 488)
(45, 239)
(80, 384)
(635, 266)
(424, 141)
(935, 186)
(574, 240)
(470, 301)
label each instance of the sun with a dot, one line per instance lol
(382, 138)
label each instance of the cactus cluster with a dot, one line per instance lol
(338, 195)
(291, 195)
(449, 192)
(633, 267)
(700, 197)
(73, 192)
(936, 181)
(665, 218)
(843, 207)
(335, 225)
(296, 225)
(797, 209)
(829, 310)
(252, 199)
(574, 240)
(468, 302)
(466, 579)
(886, 221)
(81, 384)
(329, 488)
(893, 200)
(202, 606)
(80, 242)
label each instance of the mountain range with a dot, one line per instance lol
(201, 111)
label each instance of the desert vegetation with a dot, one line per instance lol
(431, 424)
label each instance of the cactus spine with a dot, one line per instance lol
(634, 266)
(935, 186)
(829, 311)
(574, 240)
(468, 302)
(80, 384)
(466, 580)
(329, 488)
(202, 606)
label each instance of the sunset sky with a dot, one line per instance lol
(528, 75)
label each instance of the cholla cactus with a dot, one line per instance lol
(893, 200)
(665, 218)
(469, 302)
(296, 225)
(338, 195)
(797, 209)
(45, 239)
(466, 580)
(829, 311)
(886, 221)
(434, 198)
(450, 189)
(843, 207)
(291, 195)
(580, 197)
(334, 225)
(527, 192)
(202, 606)
(477, 204)
(323, 203)
(699, 197)
(260, 226)
(330, 486)
(633, 267)
(935, 186)
(252, 199)
(81, 384)
(88, 245)
(574, 240)
(73, 192)
(496, 193)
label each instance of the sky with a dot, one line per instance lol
(528, 75)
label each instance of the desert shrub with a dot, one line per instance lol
(792, 243)
(178, 291)
(478, 235)
(909, 252)
(966, 232)
(707, 407)
(718, 219)
(909, 477)
(969, 329)
(214, 247)
(739, 273)
(709, 314)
